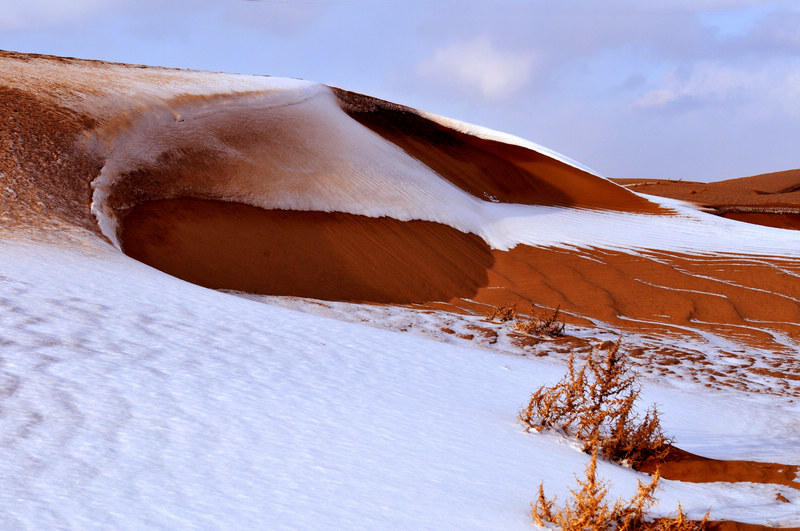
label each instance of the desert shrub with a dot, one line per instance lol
(590, 510)
(596, 405)
(502, 314)
(541, 325)
(537, 324)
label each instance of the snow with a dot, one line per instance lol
(108, 88)
(687, 230)
(327, 162)
(131, 399)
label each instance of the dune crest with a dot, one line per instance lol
(486, 168)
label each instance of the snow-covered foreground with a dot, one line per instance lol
(130, 399)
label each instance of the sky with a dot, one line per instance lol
(680, 89)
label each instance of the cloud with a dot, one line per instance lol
(769, 88)
(477, 66)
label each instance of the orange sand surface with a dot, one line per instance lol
(173, 219)
(778, 220)
(681, 465)
(309, 254)
(42, 176)
(346, 257)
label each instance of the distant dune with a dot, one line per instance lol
(770, 199)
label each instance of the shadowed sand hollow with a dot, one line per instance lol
(46, 169)
(329, 256)
(338, 256)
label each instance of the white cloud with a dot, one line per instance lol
(478, 66)
(772, 87)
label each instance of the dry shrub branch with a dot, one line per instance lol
(537, 324)
(502, 314)
(596, 405)
(541, 325)
(590, 510)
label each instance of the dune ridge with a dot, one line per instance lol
(489, 169)
(94, 143)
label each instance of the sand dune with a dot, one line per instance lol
(489, 169)
(289, 187)
(285, 187)
(324, 255)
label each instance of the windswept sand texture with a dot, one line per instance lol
(289, 187)
(285, 187)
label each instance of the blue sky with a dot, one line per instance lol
(694, 90)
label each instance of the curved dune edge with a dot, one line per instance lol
(768, 219)
(660, 290)
(323, 255)
(489, 169)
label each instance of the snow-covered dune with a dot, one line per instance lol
(131, 398)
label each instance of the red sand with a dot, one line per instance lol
(42, 176)
(681, 465)
(309, 254)
(339, 256)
